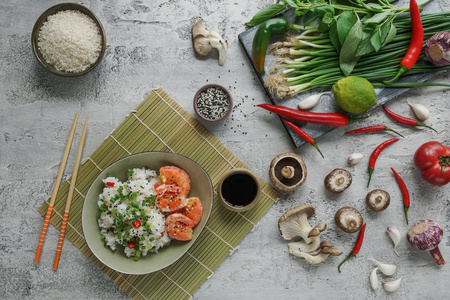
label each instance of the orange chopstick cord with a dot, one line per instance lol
(55, 191)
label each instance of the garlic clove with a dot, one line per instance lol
(373, 279)
(396, 237)
(392, 286)
(309, 102)
(355, 158)
(422, 113)
(386, 269)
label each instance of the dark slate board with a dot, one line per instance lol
(326, 103)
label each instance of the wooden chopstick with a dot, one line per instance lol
(69, 198)
(55, 191)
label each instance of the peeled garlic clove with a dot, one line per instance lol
(392, 286)
(395, 235)
(422, 113)
(309, 102)
(386, 269)
(374, 279)
(355, 158)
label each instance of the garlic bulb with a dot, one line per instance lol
(422, 113)
(355, 158)
(386, 269)
(309, 102)
(392, 286)
(395, 235)
(374, 279)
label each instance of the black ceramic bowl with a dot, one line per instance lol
(213, 103)
(43, 18)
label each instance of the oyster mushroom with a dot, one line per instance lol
(348, 219)
(287, 171)
(331, 251)
(318, 229)
(205, 40)
(338, 181)
(294, 222)
(426, 235)
(312, 259)
(308, 248)
(378, 200)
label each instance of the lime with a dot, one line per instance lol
(354, 94)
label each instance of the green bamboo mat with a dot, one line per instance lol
(160, 124)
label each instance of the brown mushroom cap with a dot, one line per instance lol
(378, 200)
(287, 171)
(348, 219)
(338, 181)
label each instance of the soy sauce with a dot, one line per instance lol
(239, 189)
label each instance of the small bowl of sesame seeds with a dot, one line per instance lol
(213, 103)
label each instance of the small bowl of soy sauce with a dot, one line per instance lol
(239, 189)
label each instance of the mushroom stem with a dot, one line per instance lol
(352, 223)
(288, 172)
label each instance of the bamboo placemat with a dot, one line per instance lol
(160, 124)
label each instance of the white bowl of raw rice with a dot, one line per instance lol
(129, 171)
(68, 40)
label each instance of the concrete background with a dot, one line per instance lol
(148, 45)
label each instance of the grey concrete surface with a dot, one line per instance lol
(149, 45)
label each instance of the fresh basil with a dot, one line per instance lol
(391, 35)
(347, 56)
(378, 18)
(345, 23)
(327, 21)
(333, 35)
(266, 13)
(365, 47)
(375, 40)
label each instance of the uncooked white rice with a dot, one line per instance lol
(70, 41)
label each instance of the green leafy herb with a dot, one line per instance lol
(347, 57)
(266, 13)
(130, 172)
(345, 23)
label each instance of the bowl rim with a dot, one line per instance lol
(230, 105)
(118, 269)
(43, 18)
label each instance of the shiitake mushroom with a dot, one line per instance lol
(338, 181)
(378, 200)
(348, 219)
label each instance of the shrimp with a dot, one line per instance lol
(193, 210)
(175, 175)
(179, 227)
(169, 198)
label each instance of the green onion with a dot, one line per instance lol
(102, 237)
(134, 204)
(129, 173)
(152, 239)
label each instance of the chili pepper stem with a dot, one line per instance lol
(347, 258)
(406, 214)
(390, 129)
(317, 147)
(400, 72)
(421, 124)
(370, 175)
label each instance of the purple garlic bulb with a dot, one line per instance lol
(437, 49)
(426, 235)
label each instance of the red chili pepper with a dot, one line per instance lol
(162, 234)
(111, 184)
(131, 245)
(416, 43)
(374, 156)
(331, 119)
(136, 224)
(404, 120)
(357, 247)
(372, 129)
(302, 134)
(404, 191)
